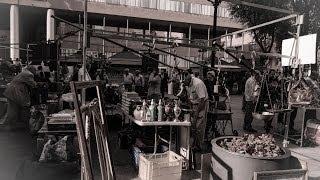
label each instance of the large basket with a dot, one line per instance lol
(160, 166)
(263, 117)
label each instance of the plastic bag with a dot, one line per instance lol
(55, 152)
(36, 121)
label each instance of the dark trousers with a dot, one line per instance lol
(248, 115)
(292, 117)
(17, 116)
(139, 90)
(128, 87)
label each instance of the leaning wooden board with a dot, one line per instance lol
(93, 109)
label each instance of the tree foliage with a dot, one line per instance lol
(266, 36)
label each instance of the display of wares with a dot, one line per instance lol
(260, 146)
(128, 102)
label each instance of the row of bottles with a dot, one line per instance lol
(158, 112)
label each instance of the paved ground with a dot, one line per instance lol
(16, 152)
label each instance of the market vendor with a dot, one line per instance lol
(128, 80)
(139, 82)
(250, 93)
(18, 94)
(210, 82)
(154, 88)
(199, 99)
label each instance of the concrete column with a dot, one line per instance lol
(208, 41)
(103, 42)
(14, 33)
(189, 50)
(50, 25)
(169, 40)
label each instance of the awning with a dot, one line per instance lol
(126, 58)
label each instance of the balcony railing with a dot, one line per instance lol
(171, 5)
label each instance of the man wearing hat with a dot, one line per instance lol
(18, 94)
(139, 82)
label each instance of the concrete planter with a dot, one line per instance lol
(229, 165)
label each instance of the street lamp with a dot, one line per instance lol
(215, 4)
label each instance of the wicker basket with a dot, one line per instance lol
(160, 166)
(263, 117)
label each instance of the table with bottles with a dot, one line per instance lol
(184, 124)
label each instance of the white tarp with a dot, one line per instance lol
(307, 50)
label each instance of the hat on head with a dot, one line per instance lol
(211, 73)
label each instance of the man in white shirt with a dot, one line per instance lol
(250, 94)
(199, 99)
(128, 80)
(154, 89)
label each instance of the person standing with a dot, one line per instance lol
(139, 83)
(164, 82)
(175, 79)
(128, 80)
(154, 89)
(199, 100)
(18, 94)
(250, 98)
(210, 82)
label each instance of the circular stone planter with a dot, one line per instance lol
(231, 165)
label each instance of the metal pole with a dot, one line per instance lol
(84, 59)
(84, 45)
(299, 22)
(214, 28)
(127, 31)
(79, 35)
(260, 25)
(172, 54)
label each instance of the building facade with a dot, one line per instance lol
(25, 22)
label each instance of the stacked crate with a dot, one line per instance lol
(128, 101)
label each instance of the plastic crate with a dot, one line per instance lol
(160, 166)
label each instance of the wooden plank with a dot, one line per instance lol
(105, 133)
(85, 84)
(85, 156)
(161, 123)
(96, 109)
(294, 174)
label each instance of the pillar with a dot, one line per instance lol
(127, 32)
(208, 44)
(50, 25)
(79, 33)
(103, 42)
(189, 50)
(14, 33)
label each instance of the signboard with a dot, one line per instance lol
(307, 50)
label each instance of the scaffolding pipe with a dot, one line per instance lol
(113, 42)
(188, 60)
